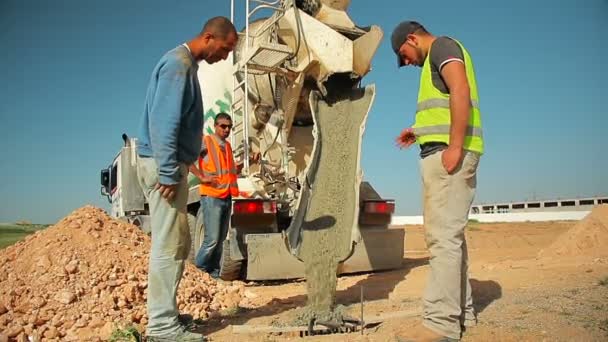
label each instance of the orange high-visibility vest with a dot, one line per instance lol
(221, 164)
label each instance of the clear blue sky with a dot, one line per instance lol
(74, 75)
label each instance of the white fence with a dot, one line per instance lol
(505, 217)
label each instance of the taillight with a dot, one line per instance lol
(250, 207)
(379, 207)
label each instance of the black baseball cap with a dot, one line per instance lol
(400, 34)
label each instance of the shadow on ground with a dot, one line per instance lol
(379, 285)
(484, 293)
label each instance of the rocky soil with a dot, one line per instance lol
(532, 281)
(86, 275)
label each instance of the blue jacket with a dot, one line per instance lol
(172, 122)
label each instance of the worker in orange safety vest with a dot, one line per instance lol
(217, 173)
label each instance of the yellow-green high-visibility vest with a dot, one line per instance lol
(433, 109)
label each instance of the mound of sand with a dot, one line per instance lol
(588, 238)
(77, 279)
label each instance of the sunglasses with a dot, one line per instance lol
(224, 126)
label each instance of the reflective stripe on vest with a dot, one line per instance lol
(439, 103)
(433, 116)
(221, 165)
(445, 129)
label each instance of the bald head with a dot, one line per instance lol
(219, 27)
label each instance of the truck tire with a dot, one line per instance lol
(310, 7)
(197, 233)
(229, 269)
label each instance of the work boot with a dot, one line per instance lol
(189, 323)
(185, 319)
(182, 335)
(215, 274)
(420, 333)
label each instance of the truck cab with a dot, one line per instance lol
(119, 184)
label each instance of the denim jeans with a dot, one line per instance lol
(216, 218)
(169, 249)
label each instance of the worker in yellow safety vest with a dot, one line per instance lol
(448, 129)
(217, 173)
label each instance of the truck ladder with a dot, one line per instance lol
(263, 59)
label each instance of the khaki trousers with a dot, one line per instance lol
(447, 199)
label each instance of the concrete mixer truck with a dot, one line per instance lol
(293, 89)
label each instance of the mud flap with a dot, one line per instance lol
(235, 246)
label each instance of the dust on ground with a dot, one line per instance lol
(519, 294)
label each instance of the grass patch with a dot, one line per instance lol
(126, 334)
(473, 225)
(604, 325)
(233, 311)
(519, 327)
(408, 300)
(9, 234)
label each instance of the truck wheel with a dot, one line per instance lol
(311, 7)
(229, 269)
(197, 233)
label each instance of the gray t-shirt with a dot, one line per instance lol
(443, 51)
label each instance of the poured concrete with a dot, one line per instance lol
(329, 224)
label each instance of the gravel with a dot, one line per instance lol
(77, 279)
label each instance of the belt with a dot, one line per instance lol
(431, 147)
(432, 144)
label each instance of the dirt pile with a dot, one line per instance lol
(79, 278)
(588, 238)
